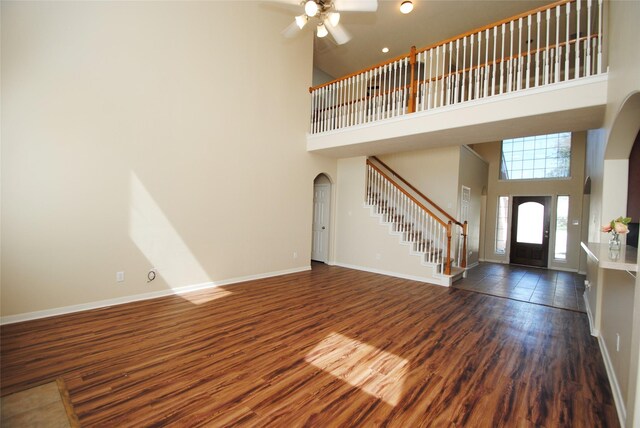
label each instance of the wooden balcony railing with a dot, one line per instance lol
(555, 43)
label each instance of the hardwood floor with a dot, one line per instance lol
(329, 347)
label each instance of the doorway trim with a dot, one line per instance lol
(321, 224)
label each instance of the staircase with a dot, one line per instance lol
(430, 233)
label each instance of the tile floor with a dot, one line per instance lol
(542, 286)
(36, 407)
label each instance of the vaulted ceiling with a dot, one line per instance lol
(430, 22)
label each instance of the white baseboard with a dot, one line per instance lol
(594, 331)
(472, 265)
(11, 319)
(434, 281)
(613, 381)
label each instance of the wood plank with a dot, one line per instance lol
(327, 347)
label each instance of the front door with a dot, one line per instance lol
(530, 230)
(320, 239)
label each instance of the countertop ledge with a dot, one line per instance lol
(626, 260)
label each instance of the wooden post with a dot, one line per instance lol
(463, 262)
(447, 269)
(413, 89)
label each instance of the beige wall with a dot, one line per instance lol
(362, 241)
(607, 165)
(150, 134)
(573, 187)
(473, 173)
(434, 172)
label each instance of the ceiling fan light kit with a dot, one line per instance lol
(322, 31)
(311, 8)
(406, 7)
(327, 13)
(301, 21)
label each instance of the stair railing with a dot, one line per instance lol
(430, 234)
(555, 43)
(463, 226)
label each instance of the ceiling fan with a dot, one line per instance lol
(326, 13)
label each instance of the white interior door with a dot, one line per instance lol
(320, 244)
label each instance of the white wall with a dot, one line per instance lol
(150, 134)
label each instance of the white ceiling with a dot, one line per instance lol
(430, 22)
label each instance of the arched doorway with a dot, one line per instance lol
(321, 218)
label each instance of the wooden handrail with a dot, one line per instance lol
(436, 206)
(407, 194)
(415, 51)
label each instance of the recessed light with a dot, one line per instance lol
(406, 7)
(385, 50)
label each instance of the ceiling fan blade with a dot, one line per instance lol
(339, 34)
(356, 5)
(291, 31)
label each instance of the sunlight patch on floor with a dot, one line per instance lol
(374, 371)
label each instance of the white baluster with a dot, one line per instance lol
(486, 63)
(557, 56)
(600, 36)
(538, 20)
(494, 63)
(502, 59)
(587, 61)
(464, 68)
(510, 64)
(519, 62)
(471, 79)
(429, 88)
(546, 52)
(442, 86)
(340, 104)
(528, 73)
(567, 40)
(477, 72)
(325, 109)
(577, 65)
(456, 81)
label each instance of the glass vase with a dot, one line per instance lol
(614, 242)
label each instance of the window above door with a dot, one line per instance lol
(536, 158)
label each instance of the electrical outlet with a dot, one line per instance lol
(295, 254)
(617, 342)
(119, 276)
(378, 256)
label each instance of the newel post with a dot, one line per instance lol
(447, 268)
(413, 89)
(463, 262)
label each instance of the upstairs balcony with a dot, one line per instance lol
(538, 72)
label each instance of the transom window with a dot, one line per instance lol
(538, 157)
